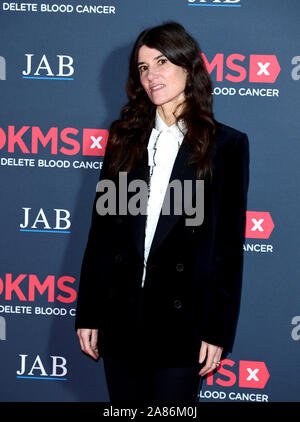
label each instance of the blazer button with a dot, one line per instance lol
(177, 304)
(179, 267)
(118, 259)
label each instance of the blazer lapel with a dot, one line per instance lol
(180, 173)
(165, 223)
(137, 222)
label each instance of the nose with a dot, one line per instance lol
(151, 74)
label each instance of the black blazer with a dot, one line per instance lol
(194, 274)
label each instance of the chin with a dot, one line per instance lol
(158, 102)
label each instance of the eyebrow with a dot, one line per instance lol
(155, 58)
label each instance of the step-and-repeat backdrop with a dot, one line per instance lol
(63, 69)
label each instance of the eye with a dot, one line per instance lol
(142, 68)
(162, 61)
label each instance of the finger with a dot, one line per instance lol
(88, 348)
(209, 365)
(207, 369)
(86, 344)
(218, 356)
(94, 341)
(203, 352)
(84, 336)
(80, 339)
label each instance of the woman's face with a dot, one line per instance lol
(163, 81)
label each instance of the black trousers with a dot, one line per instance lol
(140, 382)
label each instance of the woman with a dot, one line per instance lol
(159, 298)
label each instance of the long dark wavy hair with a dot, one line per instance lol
(129, 134)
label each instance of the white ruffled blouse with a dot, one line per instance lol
(163, 146)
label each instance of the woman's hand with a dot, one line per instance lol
(213, 357)
(88, 339)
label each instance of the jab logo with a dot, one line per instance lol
(40, 223)
(43, 70)
(258, 69)
(228, 3)
(31, 139)
(259, 224)
(35, 369)
(251, 374)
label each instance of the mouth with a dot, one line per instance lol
(156, 87)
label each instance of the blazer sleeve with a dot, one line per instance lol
(229, 239)
(87, 309)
